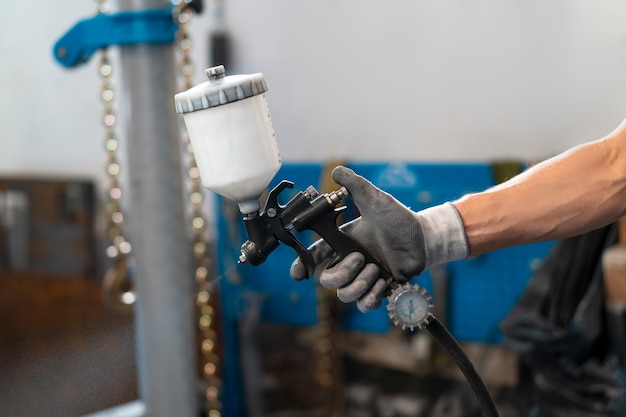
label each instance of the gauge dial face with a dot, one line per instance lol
(410, 306)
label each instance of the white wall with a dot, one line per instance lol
(49, 116)
(433, 80)
(451, 80)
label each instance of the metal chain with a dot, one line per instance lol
(328, 367)
(115, 283)
(206, 296)
(120, 249)
(328, 370)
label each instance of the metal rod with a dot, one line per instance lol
(164, 312)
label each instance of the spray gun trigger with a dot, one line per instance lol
(309, 263)
(288, 239)
(281, 231)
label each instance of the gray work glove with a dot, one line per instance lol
(404, 241)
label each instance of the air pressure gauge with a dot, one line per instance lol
(410, 306)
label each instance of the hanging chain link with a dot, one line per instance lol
(115, 284)
(120, 249)
(206, 295)
(328, 370)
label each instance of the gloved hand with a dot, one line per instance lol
(404, 241)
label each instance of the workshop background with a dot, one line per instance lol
(409, 85)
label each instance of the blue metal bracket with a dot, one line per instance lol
(125, 28)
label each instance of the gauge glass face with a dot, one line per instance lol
(411, 308)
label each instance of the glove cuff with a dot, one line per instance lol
(444, 234)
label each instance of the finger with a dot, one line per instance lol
(362, 191)
(360, 285)
(319, 250)
(349, 179)
(344, 272)
(372, 299)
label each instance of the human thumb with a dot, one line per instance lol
(364, 194)
(359, 188)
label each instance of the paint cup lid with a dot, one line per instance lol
(219, 90)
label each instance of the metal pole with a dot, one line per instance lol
(164, 312)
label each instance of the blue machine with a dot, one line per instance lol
(480, 291)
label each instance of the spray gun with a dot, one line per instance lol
(236, 152)
(308, 210)
(230, 129)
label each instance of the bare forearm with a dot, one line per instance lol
(577, 191)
